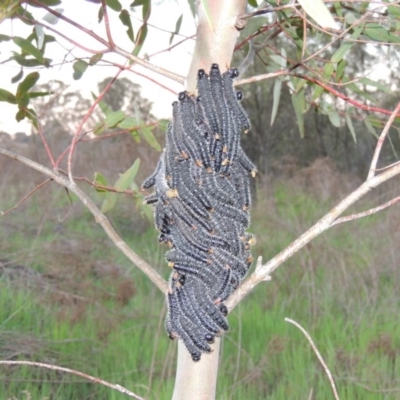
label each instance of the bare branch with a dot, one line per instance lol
(119, 388)
(100, 218)
(3, 213)
(381, 140)
(318, 354)
(322, 225)
(368, 212)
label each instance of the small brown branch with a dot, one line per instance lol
(340, 95)
(3, 213)
(107, 24)
(90, 378)
(105, 188)
(264, 76)
(100, 218)
(318, 354)
(368, 212)
(381, 140)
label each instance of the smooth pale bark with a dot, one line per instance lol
(196, 380)
(216, 36)
(215, 43)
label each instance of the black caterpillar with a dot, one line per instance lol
(201, 208)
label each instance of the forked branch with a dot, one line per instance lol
(263, 272)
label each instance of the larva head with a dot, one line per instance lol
(224, 309)
(209, 338)
(195, 356)
(182, 96)
(234, 73)
(201, 74)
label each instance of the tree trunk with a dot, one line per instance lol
(215, 43)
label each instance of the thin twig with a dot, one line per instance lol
(100, 218)
(107, 24)
(318, 354)
(113, 386)
(75, 139)
(381, 140)
(368, 212)
(3, 213)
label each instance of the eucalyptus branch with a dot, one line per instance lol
(110, 46)
(263, 272)
(90, 378)
(100, 218)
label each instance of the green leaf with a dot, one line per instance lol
(99, 179)
(125, 180)
(20, 115)
(253, 3)
(317, 10)
(252, 26)
(317, 92)
(109, 202)
(349, 123)
(346, 46)
(352, 86)
(51, 18)
(340, 70)
(22, 99)
(49, 3)
(276, 97)
(28, 83)
(350, 18)
(378, 85)
(7, 96)
(4, 38)
(29, 48)
(99, 128)
(370, 128)
(148, 136)
(128, 123)
(177, 28)
(17, 77)
(380, 34)
(394, 10)
(79, 67)
(29, 62)
(126, 20)
(338, 9)
(140, 38)
(114, 5)
(334, 118)
(105, 108)
(95, 59)
(113, 118)
(33, 95)
(192, 7)
(298, 102)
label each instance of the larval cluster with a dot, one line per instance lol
(201, 208)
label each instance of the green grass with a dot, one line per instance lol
(78, 303)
